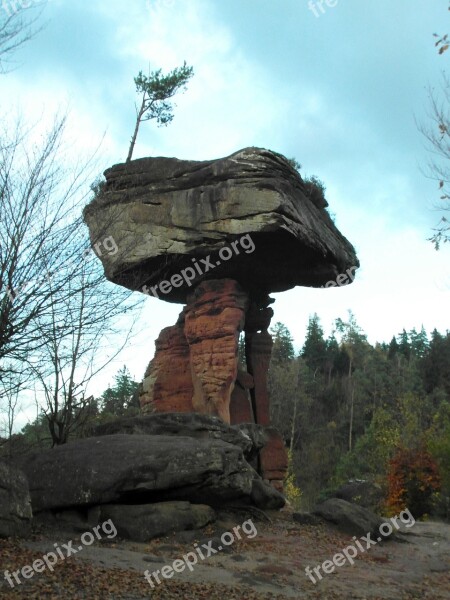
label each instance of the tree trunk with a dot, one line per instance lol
(350, 432)
(136, 129)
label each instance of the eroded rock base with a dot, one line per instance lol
(196, 366)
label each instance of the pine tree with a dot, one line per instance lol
(122, 396)
(283, 343)
(393, 348)
(156, 91)
(314, 350)
(403, 343)
(419, 342)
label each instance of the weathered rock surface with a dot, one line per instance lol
(143, 522)
(196, 361)
(167, 385)
(186, 425)
(349, 517)
(241, 406)
(142, 469)
(259, 350)
(257, 434)
(266, 496)
(163, 212)
(274, 459)
(365, 493)
(74, 520)
(215, 315)
(195, 367)
(15, 504)
(220, 236)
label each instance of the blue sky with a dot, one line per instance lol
(340, 92)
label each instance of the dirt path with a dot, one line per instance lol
(271, 565)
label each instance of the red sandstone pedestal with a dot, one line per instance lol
(195, 367)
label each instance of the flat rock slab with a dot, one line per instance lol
(165, 215)
(193, 425)
(142, 469)
(144, 522)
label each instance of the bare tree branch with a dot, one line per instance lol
(437, 136)
(18, 25)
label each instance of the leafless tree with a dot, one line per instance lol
(10, 388)
(437, 135)
(18, 25)
(77, 346)
(58, 314)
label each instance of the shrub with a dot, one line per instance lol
(315, 188)
(291, 490)
(413, 479)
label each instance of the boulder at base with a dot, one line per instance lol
(349, 517)
(140, 469)
(365, 493)
(15, 505)
(192, 424)
(144, 522)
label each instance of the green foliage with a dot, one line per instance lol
(156, 90)
(122, 397)
(98, 186)
(294, 164)
(387, 396)
(291, 489)
(283, 344)
(439, 446)
(315, 189)
(314, 350)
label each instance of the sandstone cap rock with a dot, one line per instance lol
(167, 215)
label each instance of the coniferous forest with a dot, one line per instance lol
(350, 410)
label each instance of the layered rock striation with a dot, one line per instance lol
(168, 215)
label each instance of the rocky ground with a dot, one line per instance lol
(271, 565)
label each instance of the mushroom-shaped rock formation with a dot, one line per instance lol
(218, 236)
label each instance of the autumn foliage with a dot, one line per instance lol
(413, 478)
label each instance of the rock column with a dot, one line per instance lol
(195, 368)
(196, 361)
(215, 316)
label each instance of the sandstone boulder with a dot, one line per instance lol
(167, 215)
(142, 469)
(305, 518)
(350, 518)
(365, 493)
(144, 522)
(192, 424)
(15, 504)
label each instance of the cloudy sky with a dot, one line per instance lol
(340, 90)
